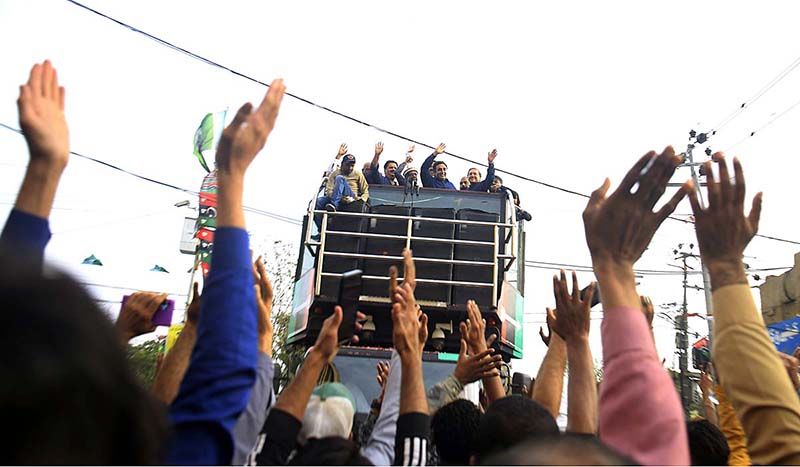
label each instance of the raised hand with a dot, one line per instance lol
(473, 330)
(264, 297)
(475, 367)
(572, 321)
(41, 117)
(546, 338)
(492, 156)
(193, 310)
(705, 383)
(327, 343)
(723, 231)
(410, 330)
(383, 373)
(342, 150)
(248, 132)
(136, 317)
(439, 149)
(409, 274)
(619, 228)
(378, 148)
(647, 309)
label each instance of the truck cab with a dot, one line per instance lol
(466, 246)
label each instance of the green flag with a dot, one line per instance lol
(92, 260)
(207, 135)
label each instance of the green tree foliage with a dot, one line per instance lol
(280, 263)
(142, 359)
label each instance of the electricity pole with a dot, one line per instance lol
(682, 328)
(701, 138)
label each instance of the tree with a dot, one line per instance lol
(143, 357)
(280, 263)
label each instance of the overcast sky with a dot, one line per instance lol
(568, 92)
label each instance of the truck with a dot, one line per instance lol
(466, 246)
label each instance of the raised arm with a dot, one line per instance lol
(550, 380)
(410, 331)
(168, 379)
(374, 175)
(250, 422)
(217, 385)
(284, 421)
(136, 316)
(572, 324)
(41, 117)
(747, 363)
(709, 411)
(486, 183)
(474, 328)
(427, 180)
(640, 414)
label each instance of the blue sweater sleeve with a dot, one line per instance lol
(248, 427)
(222, 371)
(427, 180)
(486, 183)
(25, 235)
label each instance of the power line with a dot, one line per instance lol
(752, 133)
(165, 184)
(756, 96)
(309, 102)
(370, 125)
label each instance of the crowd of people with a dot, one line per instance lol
(343, 184)
(69, 397)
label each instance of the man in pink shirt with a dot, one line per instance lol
(640, 413)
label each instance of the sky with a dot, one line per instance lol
(568, 92)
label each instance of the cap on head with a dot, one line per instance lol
(409, 169)
(348, 159)
(329, 412)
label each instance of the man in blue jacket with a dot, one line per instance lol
(391, 171)
(439, 179)
(474, 175)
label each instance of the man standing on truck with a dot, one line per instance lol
(391, 171)
(474, 175)
(439, 179)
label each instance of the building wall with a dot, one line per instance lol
(780, 295)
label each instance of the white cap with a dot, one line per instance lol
(408, 169)
(329, 412)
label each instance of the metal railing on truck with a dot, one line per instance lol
(324, 232)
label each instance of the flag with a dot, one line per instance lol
(207, 135)
(92, 260)
(206, 224)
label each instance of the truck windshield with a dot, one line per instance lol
(358, 374)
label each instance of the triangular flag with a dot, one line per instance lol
(92, 260)
(158, 268)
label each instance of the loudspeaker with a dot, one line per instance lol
(384, 247)
(484, 253)
(329, 286)
(435, 292)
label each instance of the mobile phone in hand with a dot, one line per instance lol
(349, 293)
(163, 316)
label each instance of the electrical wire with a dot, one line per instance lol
(756, 96)
(753, 133)
(383, 130)
(309, 102)
(165, 184)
